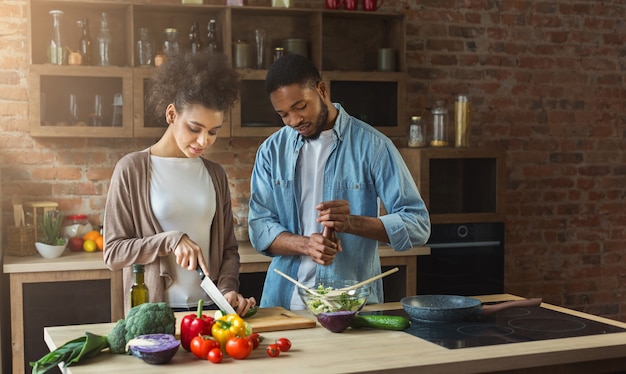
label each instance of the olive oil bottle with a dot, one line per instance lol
(139, 291)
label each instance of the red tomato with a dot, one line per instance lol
(272, 350)
(256, 340)
(201, 345)
(283, 344)
(215, 355)
(239, 348)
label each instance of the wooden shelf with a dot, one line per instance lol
(345, 56)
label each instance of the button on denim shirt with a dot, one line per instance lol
(364, 168)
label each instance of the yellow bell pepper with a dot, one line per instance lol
(228, 326)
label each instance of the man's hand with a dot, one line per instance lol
(322, 250)
(335, 214)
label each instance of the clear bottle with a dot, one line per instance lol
(195, 45)
(84, 43)
(139, 291)
(145, 49)
(417, 132)
(104, 42)
(55, 49)
(171, 47)
(212, 43)
(440, 127)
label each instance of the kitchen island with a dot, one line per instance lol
(80, 266)
(316, 350)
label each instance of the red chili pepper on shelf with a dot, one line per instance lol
(193, 325)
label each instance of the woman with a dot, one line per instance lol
(169, 208)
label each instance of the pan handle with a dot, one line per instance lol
(489, 309)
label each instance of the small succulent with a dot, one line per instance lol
(51, 229)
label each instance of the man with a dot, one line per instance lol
(326, 168)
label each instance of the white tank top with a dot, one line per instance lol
(182, 196)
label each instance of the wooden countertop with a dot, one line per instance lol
(90, 261)
(318, 350)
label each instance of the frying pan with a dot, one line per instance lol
(451, 308)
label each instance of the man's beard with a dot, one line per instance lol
(322, 118)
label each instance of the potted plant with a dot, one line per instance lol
(51, 244)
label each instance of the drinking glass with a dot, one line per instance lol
(259, 39)
(96, 117)
(73, 109)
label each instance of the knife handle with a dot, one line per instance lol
(200, 272)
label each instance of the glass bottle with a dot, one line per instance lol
(439, 131)
(194, 39)
(212, 44)
(417, 132)
(139, 291)
(55, 49)
(145, 49)
(104, 43)
(462, 121)
(171, 47)
(84, 43)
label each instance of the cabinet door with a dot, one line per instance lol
(379, 100)
(62, 101)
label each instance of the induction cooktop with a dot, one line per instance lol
(507, 326)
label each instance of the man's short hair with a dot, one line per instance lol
(292, 69)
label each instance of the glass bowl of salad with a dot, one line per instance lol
(329, 296)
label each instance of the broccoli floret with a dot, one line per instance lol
(117, 337)
(148, 318)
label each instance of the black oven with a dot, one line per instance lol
(465, 259)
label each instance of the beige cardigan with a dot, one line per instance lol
(132, 235)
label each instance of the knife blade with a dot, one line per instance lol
(214, 293)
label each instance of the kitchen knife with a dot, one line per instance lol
(214, 293)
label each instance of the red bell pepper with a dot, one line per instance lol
(193, 325)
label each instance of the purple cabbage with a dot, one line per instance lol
(154, 349)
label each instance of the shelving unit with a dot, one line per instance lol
(346, 56)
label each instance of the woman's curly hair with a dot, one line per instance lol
(206, 79)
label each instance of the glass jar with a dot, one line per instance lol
(76, 225)
(417, 132)
(105, 41)
(171, 46)
(440, 127)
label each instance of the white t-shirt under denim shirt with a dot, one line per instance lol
(310, 176)
(182, 196)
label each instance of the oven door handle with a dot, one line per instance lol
(491, 243)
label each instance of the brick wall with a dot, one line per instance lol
(547, 84)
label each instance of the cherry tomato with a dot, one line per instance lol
(272, 350)
(256, 340)
(239, 348)
(215, 355)
(283, 344)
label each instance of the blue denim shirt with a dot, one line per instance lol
(364, 165)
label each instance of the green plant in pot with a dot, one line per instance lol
(51, 243)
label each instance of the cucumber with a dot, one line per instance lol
(252, 311)
(381, 322)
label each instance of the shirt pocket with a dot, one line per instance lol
(285, 198)
(361, 195)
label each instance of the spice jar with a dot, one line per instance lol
(76, 225)
(417, 132)
(439, 130)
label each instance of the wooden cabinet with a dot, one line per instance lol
(342, 44)
(459, 185)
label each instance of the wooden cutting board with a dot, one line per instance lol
(266, 319)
